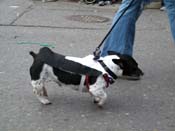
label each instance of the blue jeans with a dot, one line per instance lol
(170, 7)
(121, 39)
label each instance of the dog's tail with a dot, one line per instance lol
(33, 54)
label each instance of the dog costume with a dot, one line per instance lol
(93, 76)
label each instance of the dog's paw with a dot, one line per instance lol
(100, 104)
(96, 100)
(43, 100)
(46, 102)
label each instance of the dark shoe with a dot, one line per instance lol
(136, 75)
(130, 77)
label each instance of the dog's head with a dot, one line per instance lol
(127, 64)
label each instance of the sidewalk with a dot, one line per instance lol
(10, 10)
(76, 29)
(16, 12)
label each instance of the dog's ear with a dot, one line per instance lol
(128, 64)
(119, 62)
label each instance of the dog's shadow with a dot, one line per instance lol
(76, 101)
(69, 102)
(70, 107)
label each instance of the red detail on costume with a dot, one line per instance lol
(87, 81)
(107, 79)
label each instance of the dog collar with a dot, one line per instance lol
(114, 76)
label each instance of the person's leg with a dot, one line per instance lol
(121, 38)
(170, 6)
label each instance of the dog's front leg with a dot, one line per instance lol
(103, 97)
(40, 91)
(99, 94)
(96, 100)
(97, 90)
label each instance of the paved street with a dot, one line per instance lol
(145, 105)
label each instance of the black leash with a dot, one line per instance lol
(97, 51)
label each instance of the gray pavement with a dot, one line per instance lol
(145, 105)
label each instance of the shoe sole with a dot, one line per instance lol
(129, 77)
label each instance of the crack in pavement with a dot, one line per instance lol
(29, 8)
(56, 27)
(78, 28)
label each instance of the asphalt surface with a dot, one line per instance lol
(145, 105)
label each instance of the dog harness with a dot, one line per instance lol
(106, 77)
(73, 67)
(114, 76)
(61, 62)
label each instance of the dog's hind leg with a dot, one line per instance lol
(40, 91)
(45, 92)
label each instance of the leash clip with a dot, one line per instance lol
(97, 53)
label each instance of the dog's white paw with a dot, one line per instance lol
(43, 100)
(96, 100)
(46, 102)
(100, 104)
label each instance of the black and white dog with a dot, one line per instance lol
(87, 73)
